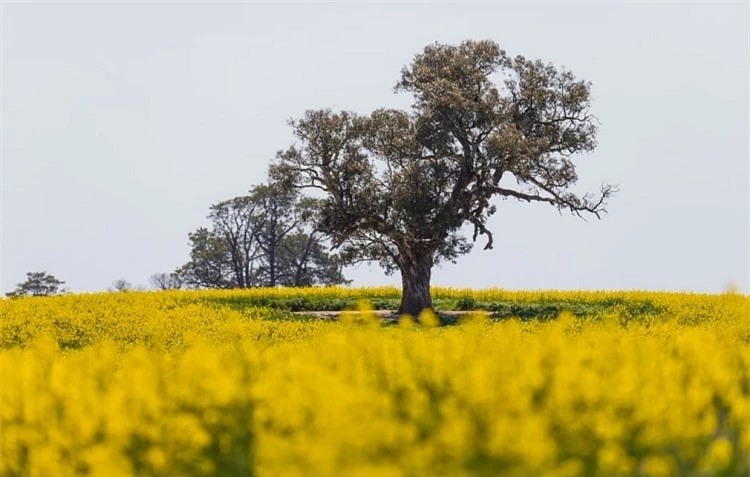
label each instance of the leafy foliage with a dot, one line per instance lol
(400, 185)
(266, 238)
(37, 284)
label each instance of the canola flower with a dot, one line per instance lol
(170, 384)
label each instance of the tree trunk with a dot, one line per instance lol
(416, 270)
(272, 244)
(272, 266)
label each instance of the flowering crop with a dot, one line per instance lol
(179, 383)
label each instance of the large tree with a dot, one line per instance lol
(400, 185)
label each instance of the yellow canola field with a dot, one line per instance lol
(170, 384)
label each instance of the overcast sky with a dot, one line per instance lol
(122, 123)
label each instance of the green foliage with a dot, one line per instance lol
(37, 284)
(265, 238)
(400, 185)
(524, 310)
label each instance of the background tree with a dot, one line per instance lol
(400, 185)
(210, 264)
(303, 261)
(37, 284)
(251, 242)
(121, 285)
(236, 223)
(283, 214)
(291, 251)
(166, 281)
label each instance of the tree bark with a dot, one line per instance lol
(416, 270)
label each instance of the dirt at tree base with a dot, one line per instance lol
(449, 316)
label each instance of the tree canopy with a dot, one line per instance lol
(166, 281)
(37, 284)
(265, 238)
(121, 285)
(399, 185)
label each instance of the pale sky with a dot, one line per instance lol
(122, 123)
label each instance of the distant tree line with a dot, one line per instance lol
(266, 238)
